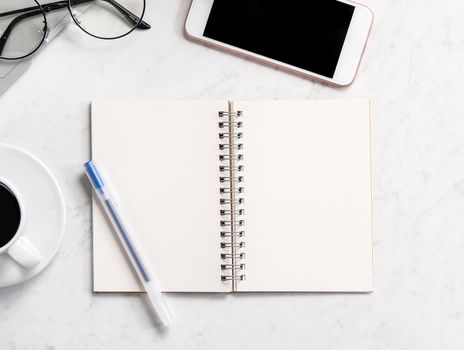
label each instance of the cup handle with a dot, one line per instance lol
(24, 253)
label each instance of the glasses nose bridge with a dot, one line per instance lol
(50, 7)
(76, 15)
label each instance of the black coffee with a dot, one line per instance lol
(10, 215)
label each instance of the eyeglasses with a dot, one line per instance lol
(24, 27)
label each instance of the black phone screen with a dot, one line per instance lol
(308, 34)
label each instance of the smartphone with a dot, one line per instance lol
(320, 39)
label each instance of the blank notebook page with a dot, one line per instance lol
(307, 196)
(162, 160)
(307, 193)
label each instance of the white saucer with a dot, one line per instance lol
(46, 212)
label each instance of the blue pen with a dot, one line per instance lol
(152, 289)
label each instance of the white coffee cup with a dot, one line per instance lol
(19, 247)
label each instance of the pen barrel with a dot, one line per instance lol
(130, 247)
(133, 252)
(159, 305)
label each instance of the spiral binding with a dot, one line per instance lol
(231, 192)
(230, 245)
(233, 267)
(227, 146)
(228, 178)
(228, 190)
(231, 201)
(232, 234)
(233, 277)
(232, 256)
(230, 135)
(236, 168)
(229, 212)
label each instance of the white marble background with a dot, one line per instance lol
(413, 73)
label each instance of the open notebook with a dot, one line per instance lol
(237, 196)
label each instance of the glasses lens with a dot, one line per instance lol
(107, 19)
(22, 28)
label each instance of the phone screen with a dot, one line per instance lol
(306, 34)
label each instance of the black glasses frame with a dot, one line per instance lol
(59, 5)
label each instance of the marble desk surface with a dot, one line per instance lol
(412, 71)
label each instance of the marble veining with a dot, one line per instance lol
(412, 72)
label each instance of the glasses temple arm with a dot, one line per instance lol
(135, 20)
(25, 9)
(52, 6)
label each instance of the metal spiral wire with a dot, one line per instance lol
(231, 192)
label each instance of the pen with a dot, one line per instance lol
(150, 285)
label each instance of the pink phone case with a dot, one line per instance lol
(307, 74)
